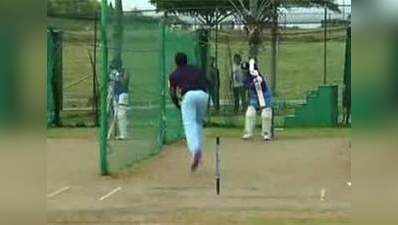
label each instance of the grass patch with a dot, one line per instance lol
(300, 60)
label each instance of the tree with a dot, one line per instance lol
(258, 15)
(208, 12)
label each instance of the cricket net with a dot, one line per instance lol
(138, 117)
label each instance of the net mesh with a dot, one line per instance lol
(141, 47)
(145, 59)
(300, 62)
(142, 55)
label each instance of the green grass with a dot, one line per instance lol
(300, 66)
(300, 59)
(300, 63)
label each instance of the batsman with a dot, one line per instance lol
(260, 99)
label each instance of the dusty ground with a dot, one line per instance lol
(278, 183)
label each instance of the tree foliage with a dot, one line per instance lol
(187, 5)
(208, 12)
(248, 11)
(256, 15)
(262, 11)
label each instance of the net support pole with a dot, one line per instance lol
(216, 46)
(273, 123)
(95, 93)
(274, 50)
(218, 166)
(163, 82)
(104, 89)
(325, 46)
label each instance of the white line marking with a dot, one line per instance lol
(55, 193)
(110, 193)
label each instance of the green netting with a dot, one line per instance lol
(141, 52)
(140, 46)
(177, 41)
(300, 68)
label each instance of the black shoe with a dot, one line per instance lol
(196, 160)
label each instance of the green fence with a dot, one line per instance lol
(177, 41)
(137, 57)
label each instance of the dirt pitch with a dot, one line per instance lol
(277, 183)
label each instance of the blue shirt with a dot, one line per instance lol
(249, 84)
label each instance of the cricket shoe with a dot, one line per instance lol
(267, 138)
(196, 161)
(247, 137)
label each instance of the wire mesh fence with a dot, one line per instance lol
(310, 52)
(138, 117)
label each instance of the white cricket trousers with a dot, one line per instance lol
(193, 109)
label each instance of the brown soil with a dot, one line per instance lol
(260, 182)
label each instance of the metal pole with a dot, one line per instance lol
(344, 7)
(218, 166)
(325, 46)
(216, 53)
(274, 39)
(163, 82)
(104, 89)
(95, 94)
(217, 87)
(273, 123)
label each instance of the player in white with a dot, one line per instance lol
(260, 99)
(118, 103)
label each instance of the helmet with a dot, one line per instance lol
(245, 66)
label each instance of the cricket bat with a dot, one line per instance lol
(259, 90)
(257, 83)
